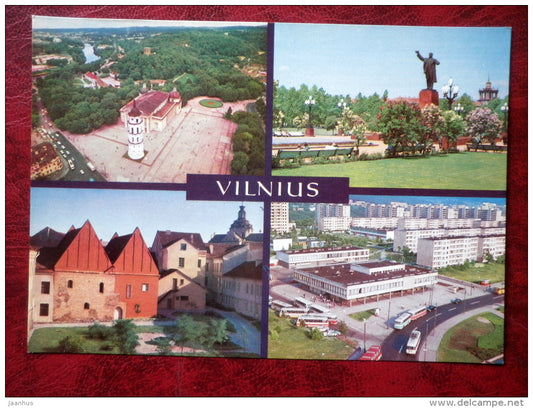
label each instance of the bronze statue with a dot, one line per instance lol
(430, 68)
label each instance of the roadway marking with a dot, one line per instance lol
(452, 309)
(473, 303)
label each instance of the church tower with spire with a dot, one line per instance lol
(135, 133)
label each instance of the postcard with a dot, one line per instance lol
(215, 189)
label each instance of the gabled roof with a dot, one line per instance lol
(79, 250)
(246, 270)
(129, 254)
(167, 238)
(47, 237)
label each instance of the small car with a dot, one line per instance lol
(331, 333)
(457, 300)
(431, 308)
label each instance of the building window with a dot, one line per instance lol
(86, 306)
(174, 284)
(128, 291)
(101, 288)
(182, 282)
(181, 262)
(45, 288)
(199, 263)
(70, 284)
(144, 287)
(43, 309)
(184, 298)
(183, 247)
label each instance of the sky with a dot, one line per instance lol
(46, 22)
(121, 211)
(348, 59)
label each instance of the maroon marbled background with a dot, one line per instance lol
(95, 375)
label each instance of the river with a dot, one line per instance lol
(90, 56)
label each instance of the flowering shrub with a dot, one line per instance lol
(483, 125)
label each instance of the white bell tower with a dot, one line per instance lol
(135, 134)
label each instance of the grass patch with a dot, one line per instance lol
(291, 342)
(493, 271)
(473, 340)
(47, 339)
(468, 170)
(364, 315)
(211, 103)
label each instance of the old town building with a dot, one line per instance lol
(78, 280)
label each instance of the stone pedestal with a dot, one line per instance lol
(428, 97)
(309, 131)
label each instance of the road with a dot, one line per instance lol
(394, 345)
(81, 171)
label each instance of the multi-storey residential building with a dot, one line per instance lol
(279, 218)
(352, 281)
(409, 237)
(241, 289)
(321, 256)
(183, 251)
(455, 250)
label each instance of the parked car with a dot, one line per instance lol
(331, 333)
(431, 308)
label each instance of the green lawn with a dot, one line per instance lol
(364, 315)
(293, 343)
(495, 272)
(474, 340)
(46, 340)
(461, 171)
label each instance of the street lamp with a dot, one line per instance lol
(450, 92)
(342, 107)
(505, 110)
(459, 109)
(310, 102)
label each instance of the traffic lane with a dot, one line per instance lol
(81, 172)
(394, 345)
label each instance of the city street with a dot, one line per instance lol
(378, 329)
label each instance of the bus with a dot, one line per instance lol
(417, 313)
(278, 305)
(402, 320)
(292, 312)
(302, 302)
(413, 342)
(372, 354)
(313, 321)
(332, 319)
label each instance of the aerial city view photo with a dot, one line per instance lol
(392, 107)
(388, 278)
(146, 101)
(180, 278)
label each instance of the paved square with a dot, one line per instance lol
(196, 141)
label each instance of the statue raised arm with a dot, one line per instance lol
(430, 69)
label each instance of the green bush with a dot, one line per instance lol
(315, 334)
(99, 331)
(71, 345)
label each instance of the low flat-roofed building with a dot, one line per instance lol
(321, 256)
(352, 281)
